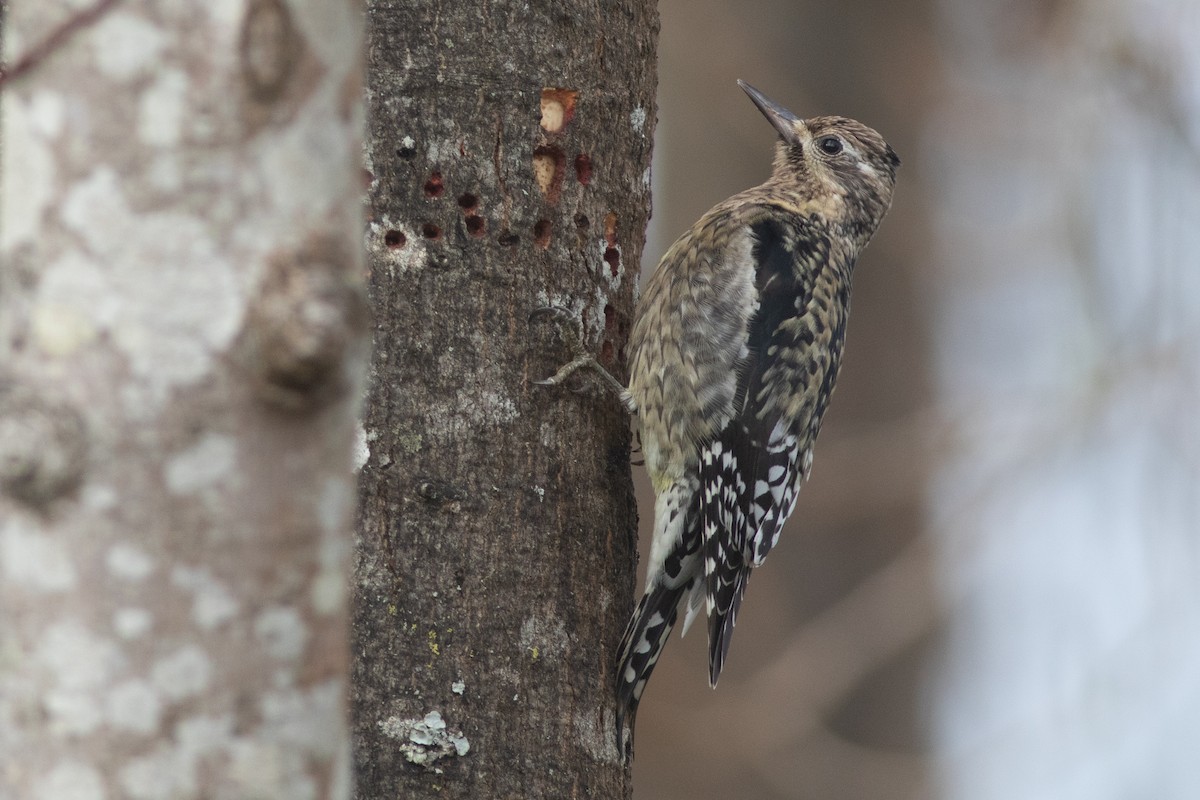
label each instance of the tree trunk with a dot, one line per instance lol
(508, 151)
(182, 340)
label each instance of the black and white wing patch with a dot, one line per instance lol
(749, 474)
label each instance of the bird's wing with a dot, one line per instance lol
(749, 471)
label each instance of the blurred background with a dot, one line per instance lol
(991, 585)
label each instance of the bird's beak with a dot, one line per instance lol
(780, 118)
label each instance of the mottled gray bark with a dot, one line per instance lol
(182, 340)
(508, 152)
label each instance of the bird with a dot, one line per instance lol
(734, 352)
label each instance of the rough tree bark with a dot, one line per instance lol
(508, 151)
(182, 341)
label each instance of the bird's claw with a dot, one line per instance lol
(567, 370)
(571, 329)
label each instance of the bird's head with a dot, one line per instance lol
(833, 157)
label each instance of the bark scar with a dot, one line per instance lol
(497, 153)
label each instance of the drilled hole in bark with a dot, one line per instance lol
(610, 229)
(612, 256)
(468, 202)
(508, 238)
(407, 153)
(476, 226)
(583, 168)
(434, 188)
(395, 239)
(431, 231)
(558, 107)
(547, 171)
(582, 222)
(541, 233)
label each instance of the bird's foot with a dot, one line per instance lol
(572, 332)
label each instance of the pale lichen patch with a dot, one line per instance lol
(202, 465)
(302, 718)
(76, 658)
(282, 632)
(72, 303)
(34, 560)
(164, 172)
(47, 112)
(170, 770)
(212, 603)
(167, 317)
(29, 175)
(99, 497)
(70, 780)
(637, 118)
(362, 449)
(183, 673)
(128, 562)
(126, 44)
(132, 623)
(426, 740)
(200, 735)
(96, 210)
(72, 712)
(257, 769)
(162, 112)
(60, 330)
(314, 151)
(157, 774)
(133, 706)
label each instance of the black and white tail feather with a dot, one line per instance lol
(650, 626)
(737, 518)
(749, 491)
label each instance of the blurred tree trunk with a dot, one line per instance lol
(182, 341)
(508, 156)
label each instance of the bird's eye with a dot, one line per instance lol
(830, 145)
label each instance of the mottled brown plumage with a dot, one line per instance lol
(735, 351)
(736, 348)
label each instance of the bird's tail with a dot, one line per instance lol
(726, 587)
(642, 644)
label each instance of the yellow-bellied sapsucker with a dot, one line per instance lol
(735, 348)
